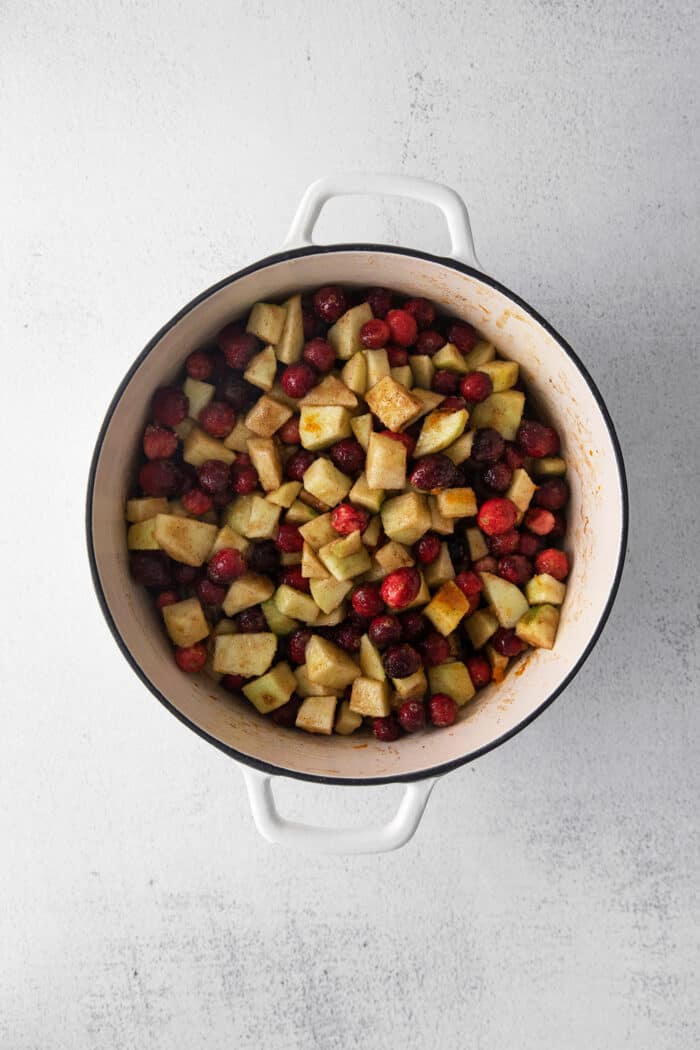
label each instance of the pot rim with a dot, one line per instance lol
(433, 771)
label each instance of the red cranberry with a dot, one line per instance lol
(297, 465)
(380, 300)
(289, 539)
(469, 584)
(330, 303)
(217, 419)
(346, 519)
(529, 544)
(403, 327)
(263, 558)
(463, 336)
(445, 382)
(552, 494)
(488, 446)
(297, 642)
(553, 562)
(535, 439)
(400, 661)
(434, 472)
(169, 406)
(513, 456)
(286, 715)
(237, 347)
(185, 575)
(366, 600)
(397, 356)
(539, 521)
(479, 670)
(408, 442)
(166, 598)
(347, 636)
(434, 649)
(291, 575)
(244, 478)
(384, 630)
(289, 431)
(496, 516)
(516, 569)
(504, 543)
(506, 642)
(214, 476)
(349, 456)
(151, 569)
(226, 566)
(497, 477)
(559, 530)
(486, 564)
(443, 710)
(236, 392)
(386, 729)
(319, 354)
(427, 548)
(159, 477)
(375, 334)
(411, 716)
(476, 387)
(252, 621)
(429, 343)
(192, 658)
(413, 626)
(197, 501)
(400, 587)
(422, 310)
(242, 459)
(199, 365)
(159, 442)
(209, 593)
(298, 379)
(233, 682)
(310, 322)
(188, 477)
(453, 404)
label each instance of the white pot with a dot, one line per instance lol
(565, 395)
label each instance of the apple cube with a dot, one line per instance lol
(441, 570)
(440, 430)
(285, 495)
(328, 594)
(267, 415)
(299, 513)
(319, 532)
(476, 542)
(291, 342)
(457, 503)
(184, 539)
(371, 660)
(272, 690)
(413, 687)
(312, 568)
(378, 367)
(199, 447)
(345, 557)
(330, 392)
(305, 687)
(370, 537)
(428, 400)
(142, 509)
(364, 495)
(198, 394)
(317, 714)
(369, 697)
(521, 490)
(392, 403)
(354, 374)
(344, 335)
(362, 428)
(295, 604)
(503, 374)
(449, 357)
(278, 622)
(406, 517)
(185, 622)
(499, 664)
(507, 601)
(262, 369)
(549, 466)
(266, 321)
(403, 375)
(320, 427)
(141, 536)
(447, 607)
(239, 437)
(227, 537)
(264, 456)
(393, 555)
(327, 664)
(184, 427)
(236, 514)
(480, 626)
(453, 679)
(263, 520)
(479, 355)
(438, 522)
(423, 370)
(333, 618)
(538, 626)
(225, 627)
(326, 482)
(545, 590)
(461, 450)
(347, 721)
(423, 596)
(247, 654)
(385, 466)
(502, 411)
(249, 589)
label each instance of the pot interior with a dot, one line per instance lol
(595, 539)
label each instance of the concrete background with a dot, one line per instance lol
(550, 897)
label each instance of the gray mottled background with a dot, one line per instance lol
(550, 898)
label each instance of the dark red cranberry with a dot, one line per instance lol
(151, 569)
(289, 539)
(401, 587)
(515, 568)
(407, 440)
(192, 658)
(479, 670)
(298, 379)
(297, 465)
(291, 575)
(310, 322)
(159, 442)
(486, 564)
(237, 347)
(506, 642)
(457, 546)
(286, 715)
(397, 356)
(214, 476)
(422, 310)
(504, 543)
(513, 456)
(209, 593)
(199, 365)
(469, 584)
(552, 494)
(411, 716)
(380, 300)
(347, 636)
(445, 382)
(289, 431)
(559, 530)
(185, 575)
(263, 558)
(535, 439)
(553, 562)
(375, 334)
(244, 478)
(498, 477)
(413, 626)
(429, 343)
(346, 519)
(384, 630)
(427, 548)
(477, 386)
(349, 456)
(403, 327)
(169, 406)
(366, 600)
(188, 477)
(319, 354)
(386, 729)
(400, 661)
(443, 710)
(529, 544)
(434, 649)
(236, 392)
(252, 621)
(488, 445)
(196, 501)
(496, 516)
(233, 682)
(217, 419)
(166, 598)
(159, 477)
(330, 303)
(463, 336)
(297, 642)
(539, 521)
(434, 472)
(226, 566)
(453, 404)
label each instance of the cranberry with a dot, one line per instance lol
(159, 477)
(233, 682)
(413, 626)
(366, 600)
(429, 343)
(529, 544)
(289, 539)
(469, 584)
(192, 658)
(559, 530)
(297, 642)
(349, 456)
(386, 729)
(151, 569)
(496, 516)
(244, 478)
(380, 300)
(513, 456)
(209, 593)
(214, 476)
(252, 621)
(553, 562)
(286, 715)
(319, 354)
(403, 327)
(506, 642)
(401, 587)
(291, 575)
(443, 710)
(408, 442)
(236, 392)
(289, 431)
(384, 630)
(197, 501)
(159, 442)
(226, 566)
(199, 365)
(463, 336)
(263, 557)
(330, 303)
(486, 564)
(434, 472)
(375, 334)
(397, 356)
(497, 477)
(169, 406)
(400, 661)
(434, 649)
(539, 521)
(298, 379)
(347, 636)
(515, 568)
(427, 548)
(185, 575)
(488, 446)
(457, 547)
(310, 322)
(188, 477)
(552, 494)
(346, 519)
(422, 310)
(217, 419)
(237, 347)
(445, 382)
(297, 465)
(535, 439)
(504, 543)
(166, 598)
(476, 387)
(411, 716)
(453, 404)
(479, 670)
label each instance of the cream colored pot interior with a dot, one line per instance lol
(596, 520)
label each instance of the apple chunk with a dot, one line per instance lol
(326, 482)
(453, 679)
(507, 601)
(266, 321)
(199, 447)
(184, 539)
(385, 467)
(440, 429)
(247, 590)
(185, 622)
(502, 411)
(538, 626)
(245, 654)
(327, 664)
(392, 403)
(262, 369)
(545, 590)
(272, 690)
(322, 426)
(457, 503)
(267, 415)
(291, 342)
(406, 517)
(142, 509)
(316, 714)
(344, 335)
(447, 607)
(265, 457)
(347, 721)
(370, 697)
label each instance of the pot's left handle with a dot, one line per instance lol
(380, 839)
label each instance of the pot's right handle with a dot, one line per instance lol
(446, 200)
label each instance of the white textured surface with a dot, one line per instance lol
(550, 897)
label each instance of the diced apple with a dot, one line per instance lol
(480, 626)
(249, 589)
(378, 367)
(370, 537)
(279, 623)
(272, 690)
(344, 335)
(245, 654)
(345, 557)
(406, 517)
(393, 555)
(545, 590)
(503, 374)
(392, 403)
(549, 466)
(236, 514)
(453, 679)
(263, 519)
(285, 495)
(441, 570)
(225, 626)
(413, 687)
(299, 513)
(267, 415)
(507, 601)
(423, 370)
(538, 626)
(354, 374)
(184, 427)
(317, 714)
(198, 394)
(227, 537)
(423, 596)
(184, 539)
(440, 430)
(326, 482)
(370, 660)
(347, 721)
(328, 594)
(385, 466)
(295, 604)
(142, 509)
(428, 400)
(476, 542)
(520, 491)
(319, 531)
(327, 664)
(330, 392)
(457, 503)
(438, 522)
(264, 456)
(370, 697)
(262, 369)
(305, 687)
(185, 622)
(279, 394)
(502, 411)
(447, 607)
(266, 321)
(499, 664)
(461, 450)
(199, 447)
(333, 618)
(403, 375)
(362, 428)
(312, 568)
(321, 427)
(365, 496)
(141, 536)
(291, 342)
(479, 355)
(449, 357)
(239, 437)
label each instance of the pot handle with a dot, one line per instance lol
(442, 197)
(381, 839)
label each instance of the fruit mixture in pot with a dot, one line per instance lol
(347, 514)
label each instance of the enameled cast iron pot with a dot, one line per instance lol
(566, 396)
